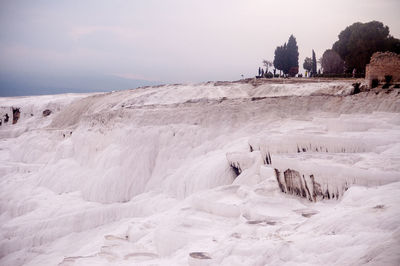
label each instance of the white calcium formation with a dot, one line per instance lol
(264, 173)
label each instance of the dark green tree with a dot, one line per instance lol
(287, 57)
(332, 63)
(292, 56)
(279, 58)
(314, 64)
(359, 41)
(307, 65)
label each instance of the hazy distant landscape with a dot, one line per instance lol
(33, 84)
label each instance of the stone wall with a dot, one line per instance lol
(383, 64)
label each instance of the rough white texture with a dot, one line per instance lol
(146, 176)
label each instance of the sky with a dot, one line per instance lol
(72, 46)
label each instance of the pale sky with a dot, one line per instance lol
(168, 41)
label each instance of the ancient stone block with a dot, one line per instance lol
(381, 65)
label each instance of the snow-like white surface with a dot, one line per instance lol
(144, 177)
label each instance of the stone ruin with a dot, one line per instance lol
(381, 65)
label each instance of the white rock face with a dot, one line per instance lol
(198, 175)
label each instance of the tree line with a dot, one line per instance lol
(349, 54)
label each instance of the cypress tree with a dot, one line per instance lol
(314, 63)
(292, 56)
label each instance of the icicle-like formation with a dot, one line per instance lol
(311, 143)
(294, 183)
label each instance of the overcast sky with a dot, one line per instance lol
(170, 40)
